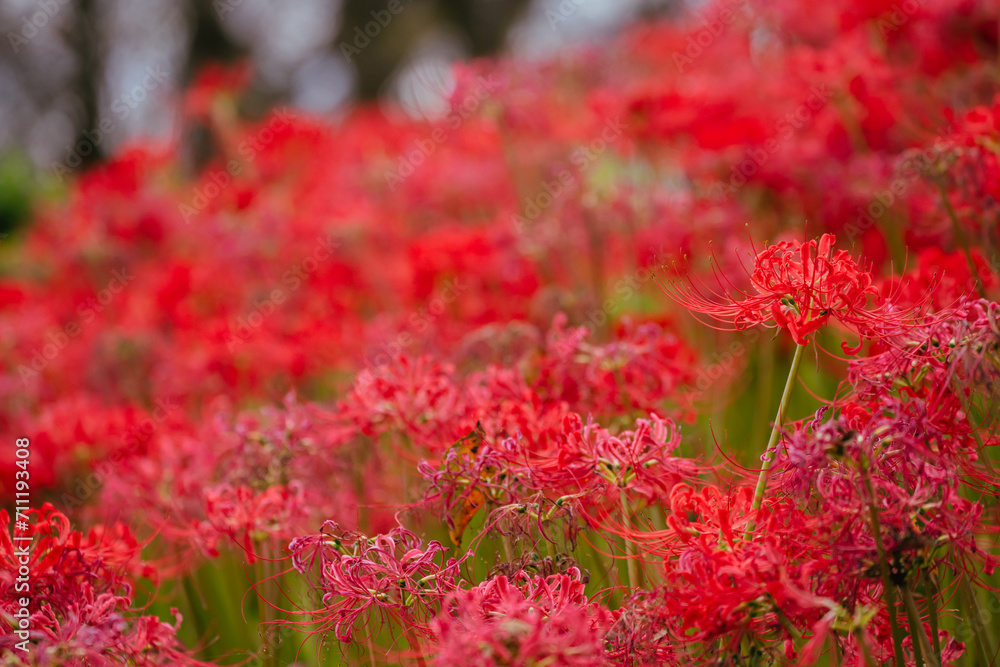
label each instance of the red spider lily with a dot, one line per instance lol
(579, 458)
(260, 482)
(247, 517)
(644, 366)
(797, 286)
(105, 553)
(719, 588)
(916, 470)
(411, 395)
(803, 577)
(969, 186)
(943, 279)
(413, 310)
(523, 621)
(211, 84)
(640, 461)
(505, 482)
(390, 573)
(938, 361)
(80, 596)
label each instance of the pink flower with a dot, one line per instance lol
(359, 575)
(523, 622)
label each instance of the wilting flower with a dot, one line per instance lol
(797, 286)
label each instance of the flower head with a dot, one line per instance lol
(523, 621)
(797, 286)
(81, 596)
(360, 576)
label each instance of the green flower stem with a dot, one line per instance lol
(770, 452)
(888, 588)
(765, 382)
(610, 574)
(264, 588)
(918, 632)
(508, 548)
(194, 603)
(963, 241)
(933, 596)
(630, 552)
(973, 617)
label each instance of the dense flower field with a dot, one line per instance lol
(681, 351)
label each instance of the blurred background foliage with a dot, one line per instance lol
(67, 66)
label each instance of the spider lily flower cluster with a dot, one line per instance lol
(391, 572)
(800, 287)
(81, 589)
(553, 465)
